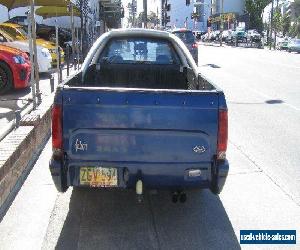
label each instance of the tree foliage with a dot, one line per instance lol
(286, 24)
(294, 30)
(277, 20)
(255, 8)
(152, 19)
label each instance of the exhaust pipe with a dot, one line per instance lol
(175, 197)
(179, 195)
(182, 197)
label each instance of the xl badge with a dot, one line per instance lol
(199, 149)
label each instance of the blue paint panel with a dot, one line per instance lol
(150, 133)
(138, 145)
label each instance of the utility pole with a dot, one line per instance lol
(133, 11)
(271, 28)
(32, 56)
(275, 31)
(221, 22)
(145, 13)
(162, 19)
(31, 50)
(72, 30)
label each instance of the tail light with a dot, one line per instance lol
(57, 129)
(195, 45)
(222, 134)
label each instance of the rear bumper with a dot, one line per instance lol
(153, 176)
(219, 179)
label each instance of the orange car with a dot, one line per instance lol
(14, 69)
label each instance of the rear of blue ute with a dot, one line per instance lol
(138, 138)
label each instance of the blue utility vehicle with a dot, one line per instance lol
(139, 115)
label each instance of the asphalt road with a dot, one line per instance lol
(262, 89)
(41, 218)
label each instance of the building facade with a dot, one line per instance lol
(231, 12)
(198, 15)
(234, 6)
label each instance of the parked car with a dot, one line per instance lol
(206, 37)
(294, 46)
(226, 35)
(215, 35)
(44, 58)
(46, 32)
(14, 69)
(17, 32)
(253, 37)
(161, 126)
(283, 43)
(239, 36)
(189, 40)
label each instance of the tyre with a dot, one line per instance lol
(6, 78)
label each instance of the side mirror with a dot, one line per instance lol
(2, 39)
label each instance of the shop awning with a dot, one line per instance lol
(11, 4)
(53, 11)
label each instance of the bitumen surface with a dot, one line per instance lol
(253, 197)
(262, 89)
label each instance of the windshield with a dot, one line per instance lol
(16, 33)
(6, 36)
(185, 36)
(22, 32)
(139, 50)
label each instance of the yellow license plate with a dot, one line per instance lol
(99, 177)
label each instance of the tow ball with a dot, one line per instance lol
(139, 190)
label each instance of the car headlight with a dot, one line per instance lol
(45, 52)
(19, 59)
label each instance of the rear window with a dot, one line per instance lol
(185, 36)
(139, 51)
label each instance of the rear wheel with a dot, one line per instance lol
(6, 78)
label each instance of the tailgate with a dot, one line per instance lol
(135, 126)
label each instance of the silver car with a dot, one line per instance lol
(294, 45)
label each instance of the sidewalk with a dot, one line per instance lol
(21, 101)
(22, 146)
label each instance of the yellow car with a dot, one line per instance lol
(18, 33)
